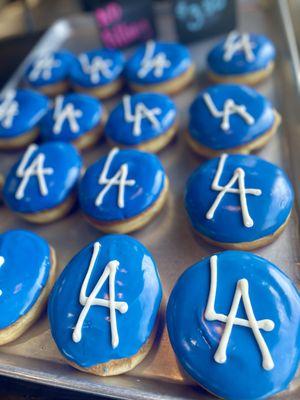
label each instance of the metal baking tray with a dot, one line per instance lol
(34, 357)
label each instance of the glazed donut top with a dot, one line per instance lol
(140, 117)
(232, 319)
(71, 116)
(49, 68)
(43, 178)
(157, 62)
(20, 111)
(238, 198)
(104, 304)
(228, 115)
(97, 67)
(241, 54)
(121, 185)
(25, 263)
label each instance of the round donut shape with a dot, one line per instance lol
(232, 319)
(49, 73)
(145, 121)
(123, 191)
(41, 186)
(98, 72)
(75, 118)
(230, 118)
(103, 310)
(23, 291)
(241, 58)
(21, 112)
(164, 67)
(238, 201)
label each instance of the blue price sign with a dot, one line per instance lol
(199, 19)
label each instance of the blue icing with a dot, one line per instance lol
(206, 128)
(136, 282)
(49, 68)
(63, 165)
(59, 124)
(121, 129)
(97, 67)
(263, 51)
(21, 286)
(175, 57)
(144, 169)
(196, 339)
(269, 211)
(20, 112)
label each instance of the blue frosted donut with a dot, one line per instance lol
(157, 62)
(49, 69)
(234, 323)
(25, 264)
(43, 178)
(70, 117)
(20, 112)
(99, 334)
(238, 199)
(226, 116)
(121, 185)
(140, 118)
(241, 54)
(97, 67)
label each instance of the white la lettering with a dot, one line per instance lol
(88, 301)
(238, 176)
(241, 293)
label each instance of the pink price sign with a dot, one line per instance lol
(125, 22)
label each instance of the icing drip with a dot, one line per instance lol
(230, 108)
(150, 62)
(43, 68)
(9, 108)
(119, 179)
(239, 177)
(241, 293)
(65, 112)
(36, 168)
(140, 112)
(96, 67)
(88, 301)
(236, 42)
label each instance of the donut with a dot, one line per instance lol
(27, 273)
(20, 112)
(160, 67)
(241, 58)
(239, 201)
(234, 324)
(146, 121)
(230, 118)
(103, 309)
(98, 72)
(75, 118)
(49, 73)
(123, 191)
(41, 187)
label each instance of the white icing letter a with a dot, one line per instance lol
(36, 168)
(88, 301)
(119, 179)
(239, 177)
(241, 293)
